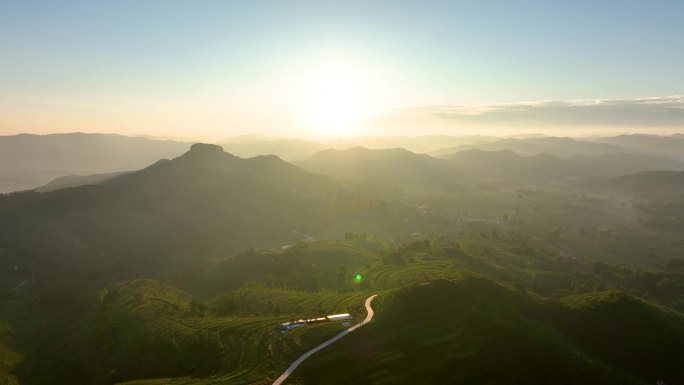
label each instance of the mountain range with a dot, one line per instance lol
(402, 167)
(29, 161)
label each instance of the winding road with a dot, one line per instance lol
(311, 352)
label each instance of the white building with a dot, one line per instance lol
(339, 317)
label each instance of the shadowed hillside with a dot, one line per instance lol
(205, 203)
(201, 201)
(471, 330)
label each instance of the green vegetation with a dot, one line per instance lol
(471, 330)
(9, 356)
(181, 273)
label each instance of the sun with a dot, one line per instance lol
(333, 97)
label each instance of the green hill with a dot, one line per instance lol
(216, 321)
(304, 266)
(145, 329)
(471, 330)
(613, 326)
(205, 203)
(10, 356)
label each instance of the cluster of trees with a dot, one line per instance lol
(667, 285)
(407, 253)
(197, 307)
(665, 214)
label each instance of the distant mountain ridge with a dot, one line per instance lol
(92, 155)
(291, 149)
(557, 146)
(644, 184)
(404, 168)
(77, 180)
(29, 161)
(395, 166)
(668, 146)
(287, 149)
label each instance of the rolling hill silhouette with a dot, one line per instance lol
(561, 147)
(204, 203)
(459, 170)
(28, 161)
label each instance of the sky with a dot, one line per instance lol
(215, 69)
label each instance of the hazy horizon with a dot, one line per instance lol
(261, 137)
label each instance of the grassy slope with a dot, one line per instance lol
(15, 325)
(435, 323)
(471, 330)
(9, 356)
(147, 329)
(292, 267)
(612, 325)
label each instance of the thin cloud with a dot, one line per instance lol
(662, 111)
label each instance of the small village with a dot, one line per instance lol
(287, 326)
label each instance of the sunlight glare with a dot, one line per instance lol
(332, 97)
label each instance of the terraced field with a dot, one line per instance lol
(384, 277)
(10, 355)
(232, 349)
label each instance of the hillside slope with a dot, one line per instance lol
(205, 203)
(471, 330)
